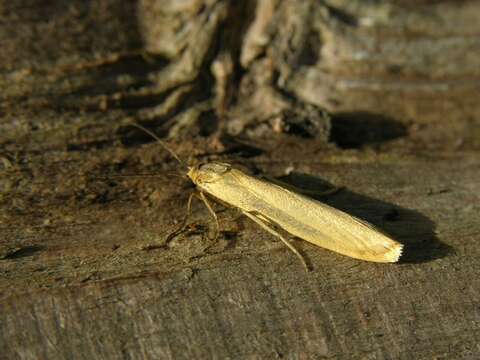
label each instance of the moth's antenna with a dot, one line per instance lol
(152, 134)
(112, 176)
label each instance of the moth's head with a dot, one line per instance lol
(208, 172)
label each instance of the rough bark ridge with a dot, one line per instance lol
(380, 97)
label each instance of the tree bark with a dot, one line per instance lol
(380, 98)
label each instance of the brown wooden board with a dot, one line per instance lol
(85, 271)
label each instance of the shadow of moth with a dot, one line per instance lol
(270, 205)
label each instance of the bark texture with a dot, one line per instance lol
(380, 97)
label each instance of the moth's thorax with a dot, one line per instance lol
(207, 173)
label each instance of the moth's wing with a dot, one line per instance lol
(349, 235)
(319, 223)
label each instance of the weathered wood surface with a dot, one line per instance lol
(84, 268)
(249, 296)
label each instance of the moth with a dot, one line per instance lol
(271, 205)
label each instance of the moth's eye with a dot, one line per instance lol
(216, 168)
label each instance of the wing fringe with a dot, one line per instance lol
(394, 253)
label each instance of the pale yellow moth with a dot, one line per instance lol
(269, 204)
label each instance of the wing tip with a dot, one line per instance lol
(394, 253)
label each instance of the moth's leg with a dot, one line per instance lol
(236, 217)
(331, 191)
(303, 191)
(210, 209)
(183, 224)
(275, 233)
